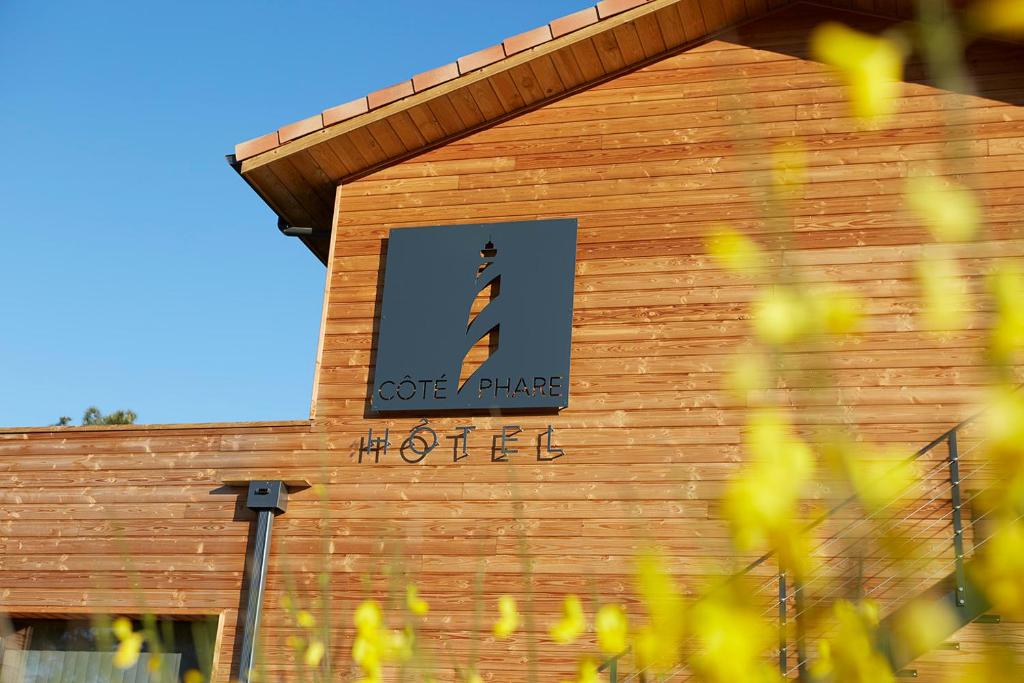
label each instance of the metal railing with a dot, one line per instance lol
(936, 518)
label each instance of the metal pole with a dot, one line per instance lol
(783, 650)
(266, 499)
(958, 524)
(801, 650)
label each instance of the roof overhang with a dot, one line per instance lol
(298, 168)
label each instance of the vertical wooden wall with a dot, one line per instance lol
(648, 163)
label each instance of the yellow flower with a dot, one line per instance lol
(878, 476)
(366, 653)
(658, 643)
(587, 672)
(122, 628)
(612, 629)
(128, 651)
(193, 676)
(474, 677)
(997, 16)
(835, 311)
(295, 642)
(414, 602)
(789, 165)
(780, 316)
(305, 619)
(999, 567)
(1003, 426)
(572, 623)
(367, 650)
(734, 250)
(762, 502)
(314, 653)
(849, 654)
(508, 620)
(749, 373)
(922, 625)
(731, 640)
(945, 295)
(368, 616)
(1007, 287)
(871, 66)
(398, 645)
(949, 211)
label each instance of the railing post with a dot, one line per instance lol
(958, 524)
(783, 650)
(801, 650)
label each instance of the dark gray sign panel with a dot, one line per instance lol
(447, 288)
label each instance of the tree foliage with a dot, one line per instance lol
(93, 416)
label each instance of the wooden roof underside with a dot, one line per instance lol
(298, 178)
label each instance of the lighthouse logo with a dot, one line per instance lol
(476, 317)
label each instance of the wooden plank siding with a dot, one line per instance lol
(137, 519)
(649, 162)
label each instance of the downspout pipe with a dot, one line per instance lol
(267, 499)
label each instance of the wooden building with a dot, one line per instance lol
(648, 123)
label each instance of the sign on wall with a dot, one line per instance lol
(476, 317)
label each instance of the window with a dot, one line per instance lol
(82, 650)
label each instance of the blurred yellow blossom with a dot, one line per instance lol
(128, 650)
(572, 624)
(731, 640)
(789, 165)
(398, 645)
(749, 373)
(1003, 425)
(780, 315)
(314, 653)
(734, 250)
(1007, 287)
(999, 567)
(879, 476)
(944, 293)
(871, 66)
(612, 629)
(155, 662)
(122, 628)
(193, 676)
(949, 211)
(849, 654)
(921, 626)
(834, 310)
(997, 16)
(305, 619)
(367, 648)
(657, 644)
(1000, 664)
(762, 502)
(587, 672)
(508, 620)
(414, 602)
(368, 616)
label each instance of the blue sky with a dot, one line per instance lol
(136, 270)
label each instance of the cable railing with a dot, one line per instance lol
(910, 517)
